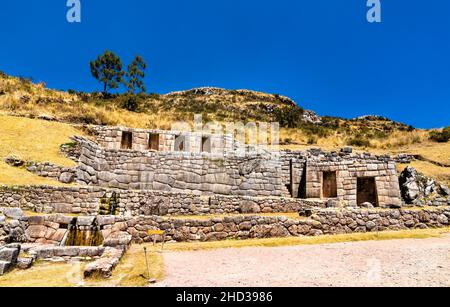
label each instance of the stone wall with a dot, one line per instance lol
(4, 231)
(12, 225)
(48, 199)
(119, 230)
(49, 170)
(322, 222)
(253, 175)
(86, 200)
(111, 138)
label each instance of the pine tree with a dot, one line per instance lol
(135, 75)
(107, 69)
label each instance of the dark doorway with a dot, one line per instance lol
(127, 140)
(367, 191)
(302, 187)
(206, 144)
(329, 187)
(153, 142)
(180, 143)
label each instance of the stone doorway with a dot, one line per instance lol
(180, 143)
(153, 142)
(206, 144)
(329, 185)
(367, 191)
(127, 140)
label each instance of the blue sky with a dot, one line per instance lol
(322, 53)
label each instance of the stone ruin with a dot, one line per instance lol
(214, 164)
(132, 181)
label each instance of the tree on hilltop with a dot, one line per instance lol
(135, 75)
(107, 69)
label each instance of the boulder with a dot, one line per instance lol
(104, 266)
(12, 213)
(248, 206)
(367, 205)
(14, 161)
(445, 190)
(370, 225)
(67, 177)
(24, 263)
(409, 184)
(85, 220)
(8, 257)
(332, 203)
(36, 231)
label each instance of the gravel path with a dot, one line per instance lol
(409, 262)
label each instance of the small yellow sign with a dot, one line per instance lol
(155, 232)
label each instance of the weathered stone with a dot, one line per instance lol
(24, 263)
(12, 213)
(36, 231)
(249, 207)
(67, 177)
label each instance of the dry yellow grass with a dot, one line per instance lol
(132, 269)
(33, 140)
(43, 275)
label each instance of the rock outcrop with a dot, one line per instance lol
(417, 189)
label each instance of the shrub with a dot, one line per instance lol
(154, 96)
(289, 117)
(358, 141)
(440, 136)
(131, 102)
(312, 140)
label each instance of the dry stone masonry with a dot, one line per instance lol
(127, 159)
(132, 181)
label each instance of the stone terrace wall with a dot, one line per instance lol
(180, 172)
(49, 199)
(49, 170)
(323, 222)
(86, 200)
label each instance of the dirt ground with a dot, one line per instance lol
(408, 262)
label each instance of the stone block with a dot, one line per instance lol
(36, 231)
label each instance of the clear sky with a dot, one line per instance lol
(322, 53)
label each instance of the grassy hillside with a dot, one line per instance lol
(33, 140)
(300, 129)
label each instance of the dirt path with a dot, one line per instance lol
(409, 262)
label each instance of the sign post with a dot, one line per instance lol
(155, 233)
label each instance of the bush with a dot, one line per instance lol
(440, 136)
(358, 141)
(289, 117)
(131, 103)
(312, 140)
